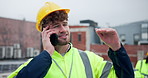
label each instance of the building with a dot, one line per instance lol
(19, 40)
(134, 33)
(83, 37)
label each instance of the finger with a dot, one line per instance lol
(49, 34)
(100, 35)
(45, 31)
(111, 32)
(100, 32)
(107, 31)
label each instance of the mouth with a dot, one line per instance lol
(63, 36)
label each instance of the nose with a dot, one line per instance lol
(62, 28)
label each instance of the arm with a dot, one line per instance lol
(121, 62)
(117, 53)
(38, 66)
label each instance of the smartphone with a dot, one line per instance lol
(54, 39)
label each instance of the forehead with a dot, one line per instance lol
(58, 22)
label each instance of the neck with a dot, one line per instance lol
(62, 48)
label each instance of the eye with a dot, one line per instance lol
(65, 24)
(55, 26)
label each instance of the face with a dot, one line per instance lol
(62, 30)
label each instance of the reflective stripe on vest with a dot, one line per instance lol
(86, 63)
(88, 69)
(106, 69)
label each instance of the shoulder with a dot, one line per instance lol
(93, 55)
(93, 58)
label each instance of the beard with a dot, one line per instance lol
(63, 41)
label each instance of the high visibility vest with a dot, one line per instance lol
(142, 69)
(85, 65)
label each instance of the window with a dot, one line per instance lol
(144, 33)
(136, 38)
(79, 37)
(122, 37)
(145, 36)
(144, 26)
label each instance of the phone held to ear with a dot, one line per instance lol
(54, 39)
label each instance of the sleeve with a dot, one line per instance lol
(121, 62)
(37, 67)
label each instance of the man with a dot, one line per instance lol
(142, 68)
(65, 61)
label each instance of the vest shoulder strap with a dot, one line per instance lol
(106, 69)
(88, 69)
(86, 62)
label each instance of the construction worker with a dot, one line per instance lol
(62, 60)
(142, 68)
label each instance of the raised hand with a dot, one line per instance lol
(110, 37)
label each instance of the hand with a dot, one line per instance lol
(46, 40)
(110, 37)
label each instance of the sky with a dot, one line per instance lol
(104, 12)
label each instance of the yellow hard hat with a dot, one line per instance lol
(147, 54)
(48, 8)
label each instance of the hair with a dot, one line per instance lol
(54, 17)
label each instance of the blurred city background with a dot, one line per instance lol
(19, 39)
